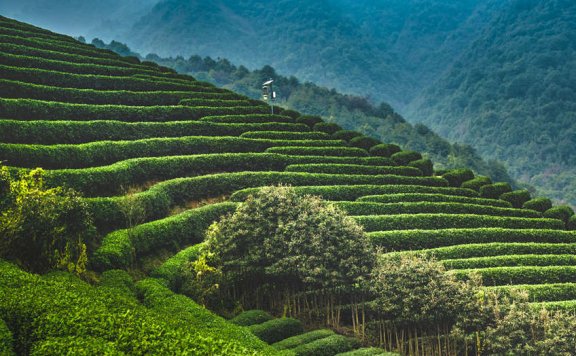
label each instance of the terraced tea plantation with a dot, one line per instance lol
(117, 130)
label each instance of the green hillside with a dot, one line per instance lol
(511, 95)
(129, 133)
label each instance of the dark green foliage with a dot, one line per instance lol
(184, 312)
(425, 165)
(29, 109)
(108, 152)
(113, 179)
(447, 221)
(286, 135)
(545, 292)
(353, 169)
(384, 150)
(522, 275)
(327, 346)
(251, 317)
(562, 213)
(75, 345)
(494, 191)
(171, 270)
(119, 248)
(309, 120)
(571, 225)
(248, 118)
(120, 281)
(40, 309)
(100, 82)
(345, 135)
(74, 132)
(365, 142)
(476, 183)
(403, 158)
(327, 127)
(301, 339)
(421, 239)
(374, 208)
(162, 196)
(490, 249)
(456, 177)
(538, 204)
(277, 329)
(6, 340)
(511, 261)
(319, 151)
(415, 197)
(291, 113)
(353, 192)
(517, 198)
(216, 102)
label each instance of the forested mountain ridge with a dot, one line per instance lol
(512, 95)
(349, 111)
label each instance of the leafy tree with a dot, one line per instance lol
(279, 244)
(43, 228)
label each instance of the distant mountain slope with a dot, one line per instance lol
(388, 50)
(512, 95)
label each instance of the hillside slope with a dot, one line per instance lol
(512, 94)
(100, 123)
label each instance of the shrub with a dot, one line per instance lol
(74, 132)
(494, 191)
(43, 308)
(543, 292)
(353, 192)
(277, 329)
(345, 135)
(416, 197)
(456, 177)
(248, 118)
(446, 221)
(476, 183)
(308, 120)
(511, 261)
(421, 239)
(517, 198)
(29, 109)
(562, 213)
(364, 142)
(119, 248)
(291, 113)
(374, 208)
(538, 204)
(522, 275)
(286, 135)
(403, 158)
(120, 281)
(327, 346)
(301, 339)
(43, 228)
(251, 317)
(401, 283)
(171, 270)
(384, 150)
(6, 340)
(327, 127)
(571, 225)
(75, 345)
(424, 165)
(352, 169)
(368, 351)
(107, 152)
(319, 151)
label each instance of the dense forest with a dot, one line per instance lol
(512, 95)
(349, 111)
